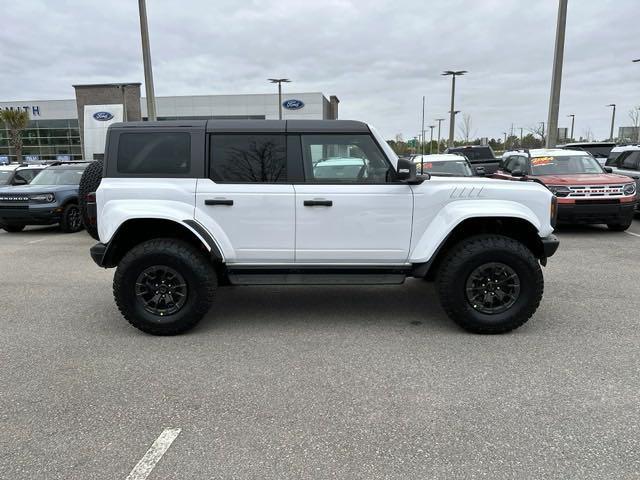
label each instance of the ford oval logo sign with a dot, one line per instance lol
(102, 116)
(293, 104)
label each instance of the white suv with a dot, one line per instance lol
(185, 207)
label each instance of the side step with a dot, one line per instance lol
(318, 275)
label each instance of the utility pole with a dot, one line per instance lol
(613, 119)
(453, 74)
(146, 60)
(556, 77)
(505, 141)
(521, 137)
(431, 141)
(279, 81)
(573, 121)
(542, 123)
(422, 148)
(439, 120)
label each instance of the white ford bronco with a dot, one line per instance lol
(185, 207)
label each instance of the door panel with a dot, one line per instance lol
(252, 223)
(365, 223)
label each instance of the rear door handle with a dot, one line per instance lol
(318, 203)
(218, 201)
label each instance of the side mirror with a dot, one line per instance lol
(608, 169)
(17, 180)
(406, 172)
(517, 173)
(480, 171)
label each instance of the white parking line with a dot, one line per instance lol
(36, 241)
(634, 234)
(154, 454)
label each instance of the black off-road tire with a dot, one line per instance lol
(471, 253)
(89, 183)
(196, 269)
(619, 227)
(71, 220)
(12, 228)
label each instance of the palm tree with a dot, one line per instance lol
(16, 121)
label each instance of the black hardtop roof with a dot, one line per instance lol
(261, 126)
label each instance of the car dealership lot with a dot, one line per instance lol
(320, 382)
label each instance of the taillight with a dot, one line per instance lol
(90, 197)
(554, 211)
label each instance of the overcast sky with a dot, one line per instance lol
(378, 56)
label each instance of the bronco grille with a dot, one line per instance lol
(592, 191)
(13, 198)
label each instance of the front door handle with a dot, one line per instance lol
(218, 201)
(318, 203)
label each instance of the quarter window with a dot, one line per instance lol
(257, 158)
(343, 159)
(154, 153)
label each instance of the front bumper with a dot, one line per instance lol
(30, 214)
(595, 212)
(99, 254)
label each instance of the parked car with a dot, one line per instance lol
(186, 206)
(18, 174)
(587, 193)
(480, 156)
(600, 150)
(50, 198)
(444, 165)
(616, 151)
(627, 162)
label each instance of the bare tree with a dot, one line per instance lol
(399, 138)
(588, 134)
(466, 127)
(538, 131)
(634, 115)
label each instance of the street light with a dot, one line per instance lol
(146, 60)
(613, 118)
(573, 121)
(453, 74)
(431, 141)
(505, 141)
(556, 77)
(439, 120)
(279, 81)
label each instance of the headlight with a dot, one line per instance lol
(559, 190)
(43, 198)
(629, 189)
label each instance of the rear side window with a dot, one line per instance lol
(250, 158)
(154, 153)
(630, 162)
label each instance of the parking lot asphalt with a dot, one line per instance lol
(320, 382)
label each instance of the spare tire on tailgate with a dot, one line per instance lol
(89, 183)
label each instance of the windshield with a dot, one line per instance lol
(565, 165)
(58, 176)
(5, 177)
(458, 168)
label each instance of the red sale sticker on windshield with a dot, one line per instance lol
(541, 160)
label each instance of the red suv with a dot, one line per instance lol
(586, 192)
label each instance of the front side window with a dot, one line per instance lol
(248, 158)
(565, 165)
(630, 162)
(331, 158)
(156, 153)
(5, 177)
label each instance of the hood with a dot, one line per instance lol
(583, 179)
(37, 188)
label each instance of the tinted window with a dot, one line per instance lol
(474, 154)
(630, 161)
(27, 174)
(343, 159)
(154, 153)
(257, 158)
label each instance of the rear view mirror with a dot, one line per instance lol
(18, 180)
(406, 172)
(480, 171)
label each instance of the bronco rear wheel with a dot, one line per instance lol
(490, 284)
(164, 286)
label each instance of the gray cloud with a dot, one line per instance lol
(379, 57)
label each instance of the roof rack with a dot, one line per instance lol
(55, 163)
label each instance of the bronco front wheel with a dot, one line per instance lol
(164, 286)
(490, 284)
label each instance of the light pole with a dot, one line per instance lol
(439, 120)
(146, 60)
(431, 141)
(422, 147)
(542, 135)
(453, 116)
(505, 141)
(521, 129)
(279, 81)
(556, 77)
(453, 74)
(573, 121)
(613, 118)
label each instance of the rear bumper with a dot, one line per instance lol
(98, 254)
(550, 245)
(595, 213)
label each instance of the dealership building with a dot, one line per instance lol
(58, 129)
